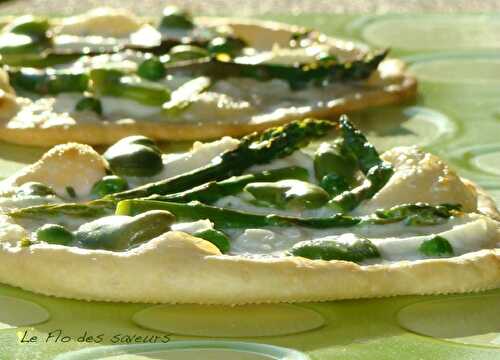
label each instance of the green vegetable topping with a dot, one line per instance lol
(216, 237)
(225, 45)
(289, 194)
(256, 148)
(187, 52)
(29, 25)
(227, 218)
(109, 185)
(334, 167)
(33, 188)
(89, 103)
(122, 232)
(377, 171)
(184, 96)
(214, 190)
(54, 234)
(152, 69)
(130, 157)
(48, 81)
(347, 247)
(71, 191)
(175, 18)
(26, 35)
(114, 82)
(16, 44)
(418, 214)
(436, 247)
(297, 76)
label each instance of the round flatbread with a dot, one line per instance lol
(177, 267)
(231, 107)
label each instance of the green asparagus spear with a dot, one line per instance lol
(196, 211)
(256, 148)
(212, 191)
(48, 81)
(37, 59)
(417, 214)
(92, 209)
(377, 171)
(117, 83)
(296, 76)
(227, 218)
(332, 248)
(334, 167)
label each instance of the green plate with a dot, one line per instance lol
(456, 115)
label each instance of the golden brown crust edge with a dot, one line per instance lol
(380, 92)
(179, 268)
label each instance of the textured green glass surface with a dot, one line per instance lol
(456, 115)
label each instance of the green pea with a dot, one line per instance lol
(294, 194)
(89, 103)
(54, 234)
(438, 246)
(134, 160)
(109, 185)
(187, 52)
(33, 188)
(331, 158)
(175, 18)
(225, 45)
(152, 69)
(216, 237)
(333, 248)
(118, 233)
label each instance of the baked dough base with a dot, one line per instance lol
(179, 268)
(389, 85)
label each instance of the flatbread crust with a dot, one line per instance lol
(389, 85)
(179, 268)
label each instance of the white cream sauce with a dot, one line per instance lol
(395, 241)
